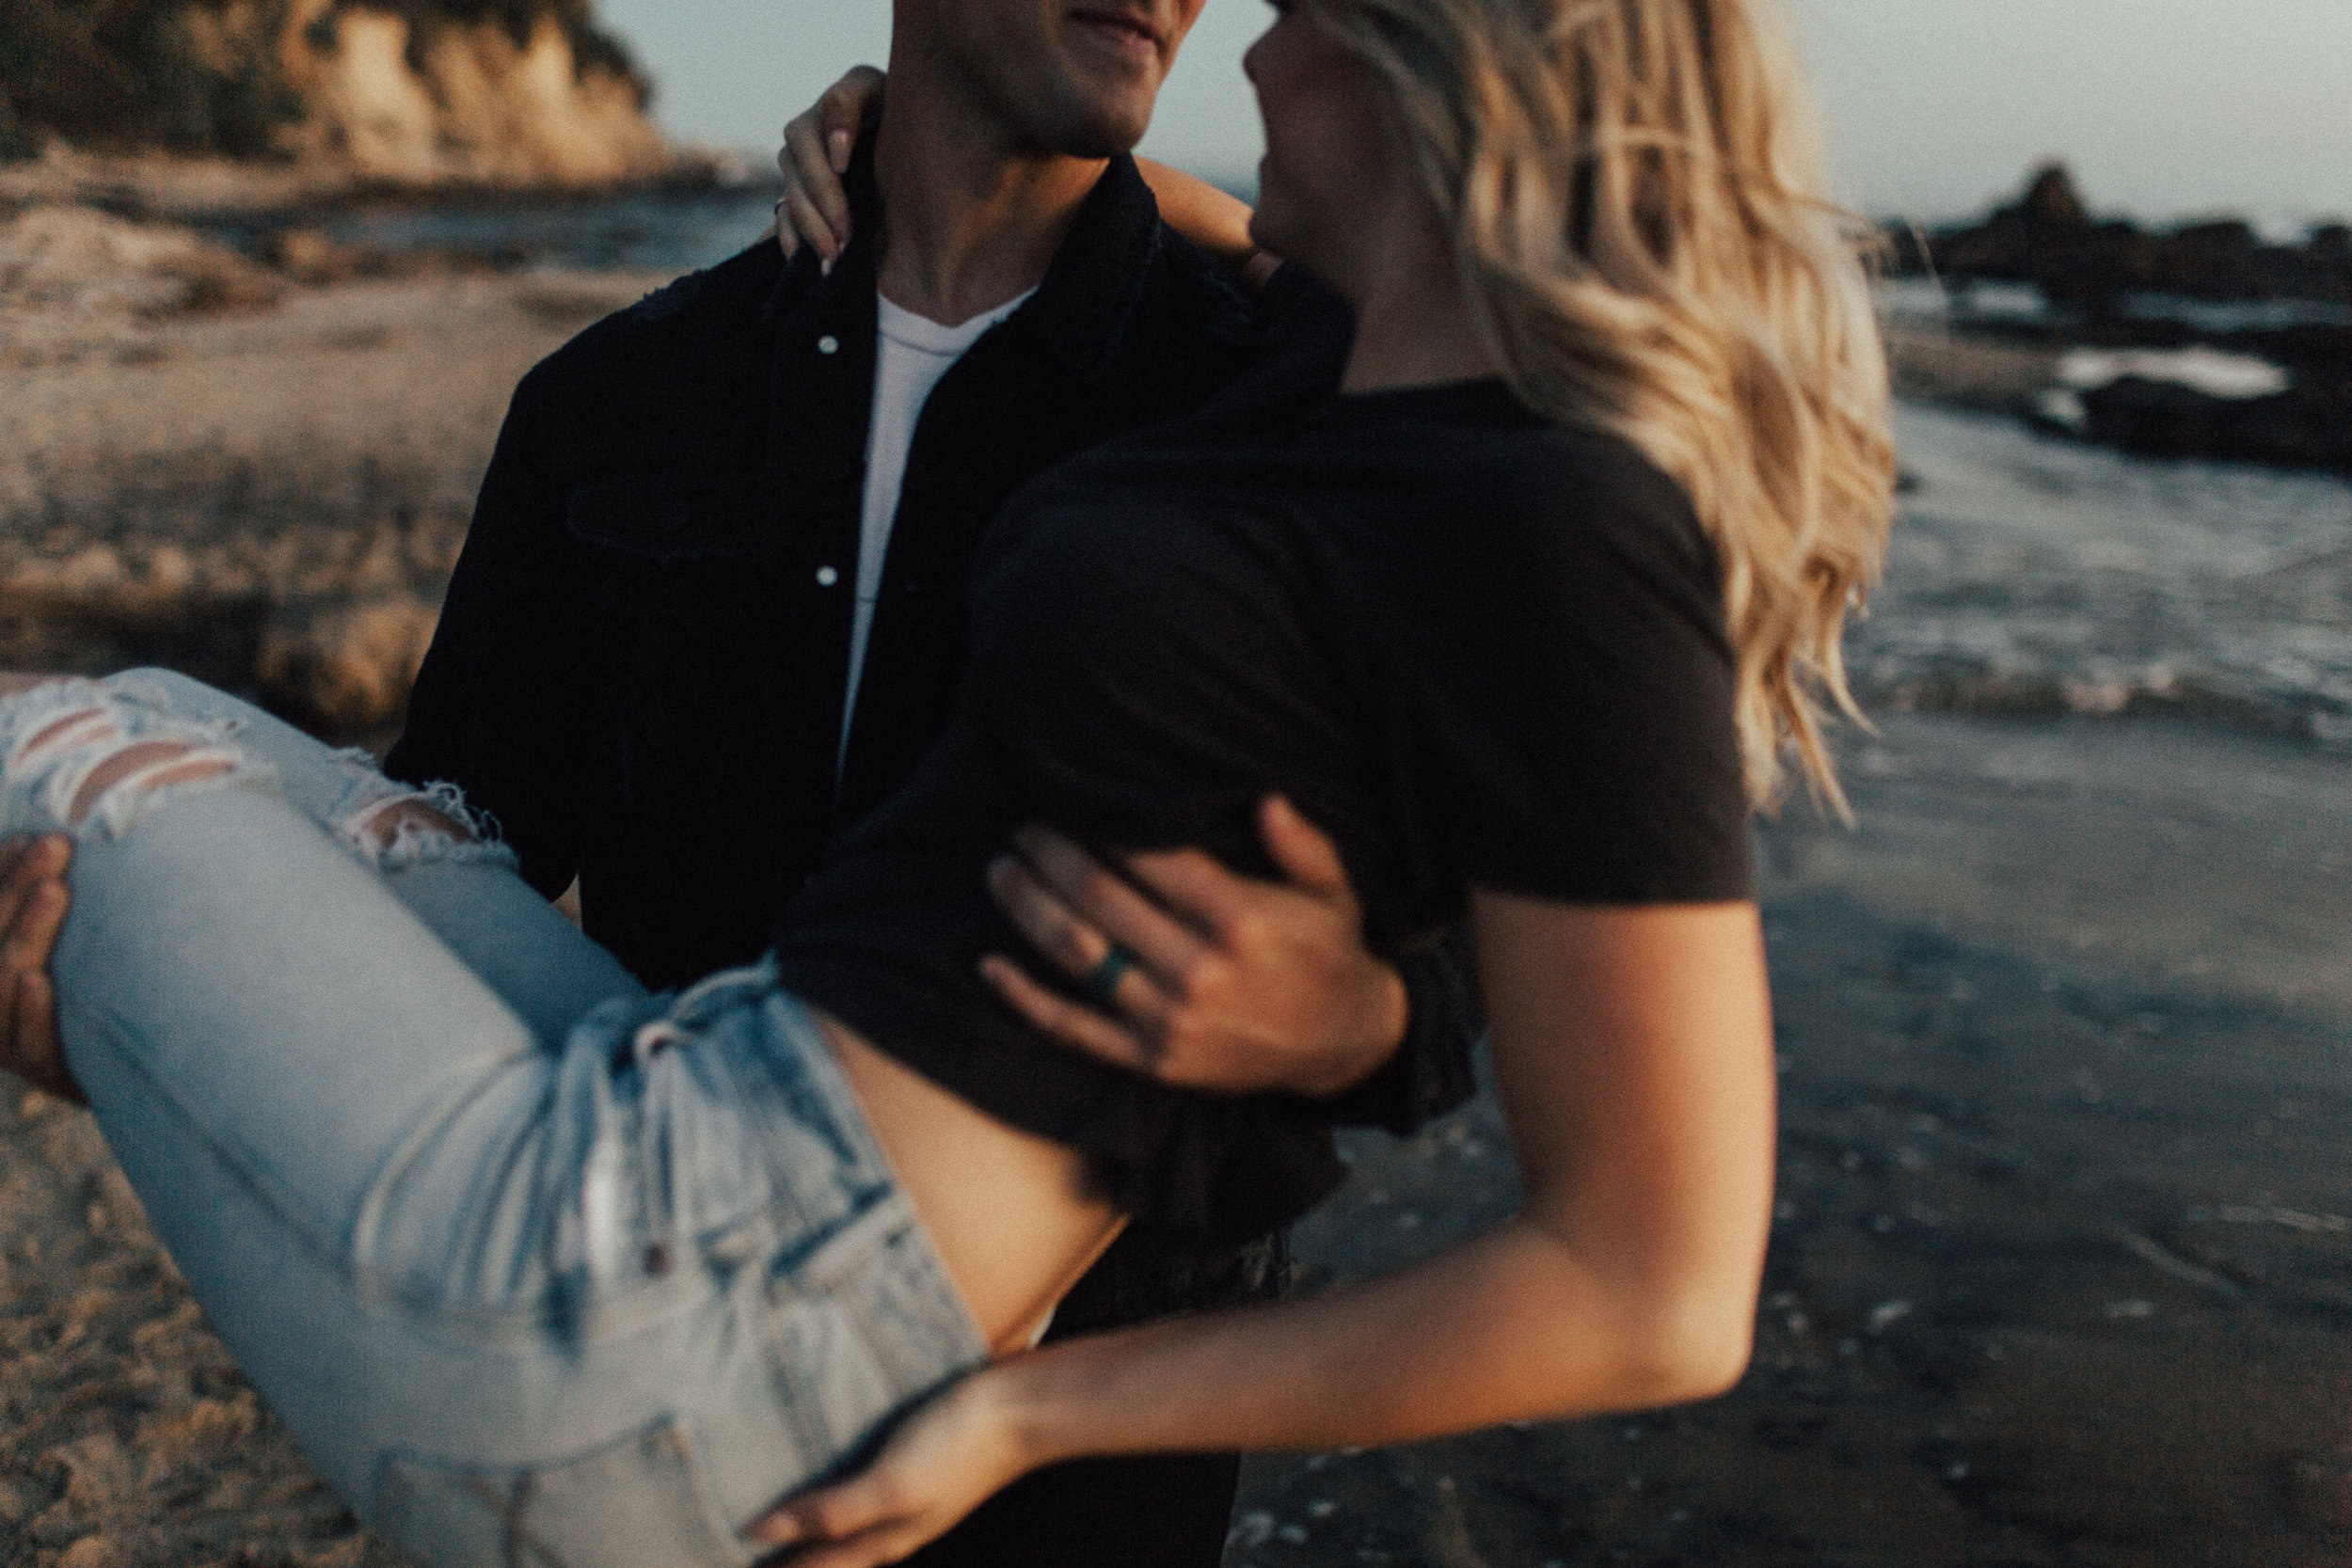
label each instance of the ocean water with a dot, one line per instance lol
(2029, 574)
(674, 232)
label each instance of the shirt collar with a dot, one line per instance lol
(1079, 312)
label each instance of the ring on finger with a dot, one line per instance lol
(1102, 981)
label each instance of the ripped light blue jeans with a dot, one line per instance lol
(536, 1267)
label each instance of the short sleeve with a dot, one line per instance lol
(1574, 708)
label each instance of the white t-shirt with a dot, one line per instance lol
(912, 352)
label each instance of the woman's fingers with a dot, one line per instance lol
(798, 217)
(842, 1524)
(799, 222)
(815, 179)
(848, 107)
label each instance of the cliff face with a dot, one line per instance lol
(495, 91)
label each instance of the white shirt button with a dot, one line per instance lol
(828, 344)
(827, 577)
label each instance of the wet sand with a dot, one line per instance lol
(2062, 1271)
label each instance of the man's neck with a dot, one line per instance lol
(970, 219)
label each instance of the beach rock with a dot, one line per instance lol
(2049, 237)
(414, 92)
(2298, 428)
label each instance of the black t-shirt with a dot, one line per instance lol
(1477, 648)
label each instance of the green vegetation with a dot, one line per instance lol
(209, 75)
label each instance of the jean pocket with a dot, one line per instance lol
(637, 1502)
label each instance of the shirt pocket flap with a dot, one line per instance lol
(666, 519)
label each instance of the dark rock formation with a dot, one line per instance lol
(2049, 238)
(2309, 427)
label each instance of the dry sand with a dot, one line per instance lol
(2062, 1272)
(205, 464)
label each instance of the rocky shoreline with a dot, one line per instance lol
(2163, 296)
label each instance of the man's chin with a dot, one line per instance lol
(1097, 124)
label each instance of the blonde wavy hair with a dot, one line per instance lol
(1633, 191)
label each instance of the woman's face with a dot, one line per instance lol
(1332, 171)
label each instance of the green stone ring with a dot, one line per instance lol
(1103, 981)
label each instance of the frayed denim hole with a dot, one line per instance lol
(92, 726)
(127, 801)
(439, 829)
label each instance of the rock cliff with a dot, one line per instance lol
(497, 93)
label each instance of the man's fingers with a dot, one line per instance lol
(1103, 897)
(1078, 946)
(1307, 856)
(32, 936)
(37, 1045)
(28, 864)
(1197, 887)
(1053, 928)
(1080, 1028)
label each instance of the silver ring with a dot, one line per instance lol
(1102, 980)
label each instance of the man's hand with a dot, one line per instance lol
(33, 903)
(1227, 984)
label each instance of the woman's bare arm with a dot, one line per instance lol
(1634, 1052)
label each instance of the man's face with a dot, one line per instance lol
(1064, 76)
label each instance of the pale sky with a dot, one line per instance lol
(2167, 108)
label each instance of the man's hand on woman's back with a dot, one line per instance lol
(1204, 979)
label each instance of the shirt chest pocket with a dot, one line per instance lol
(652, 517)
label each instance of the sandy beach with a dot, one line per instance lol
(2062, 1267)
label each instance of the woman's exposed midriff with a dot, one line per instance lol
(1012, 1214)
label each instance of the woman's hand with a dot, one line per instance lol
(817, 146)
(1218, 982)
(944, 1461)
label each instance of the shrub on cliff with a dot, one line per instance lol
(229, 76)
